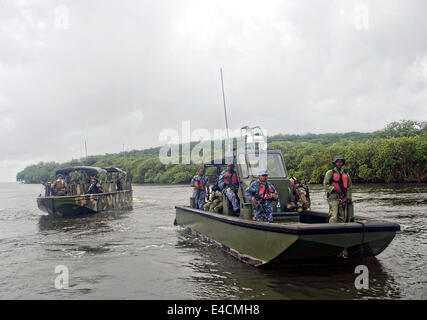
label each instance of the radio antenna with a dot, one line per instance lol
(225, 107)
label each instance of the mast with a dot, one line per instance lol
(225, 108)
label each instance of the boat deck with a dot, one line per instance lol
(296, 227)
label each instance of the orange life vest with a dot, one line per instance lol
(233, 176)
(200, 183)
(335, 181)
(265, 194)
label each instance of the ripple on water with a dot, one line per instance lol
(141, 254)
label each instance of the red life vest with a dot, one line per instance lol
(199, 183)
(336, 179)
(265, 195)
(233, 176)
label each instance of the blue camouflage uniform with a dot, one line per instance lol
(253, 190)
(229, 193)
(200, 199)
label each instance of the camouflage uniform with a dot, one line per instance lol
(300, 196)
(338, 212)
(215, 202)
(228, 192)
(200, 199)
(253, 190)
(59, 188)
(303, 198)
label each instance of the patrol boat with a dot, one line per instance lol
(292, 238)
(78, 201)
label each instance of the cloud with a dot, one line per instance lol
(115, 73)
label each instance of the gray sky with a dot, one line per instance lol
(118, 72)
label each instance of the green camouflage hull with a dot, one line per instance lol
(65, 206)
(288, 241)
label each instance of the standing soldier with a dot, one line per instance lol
(229, 184)
(200, 183)
(215, 201)
(338, 185)
(118, 183)
(262, 193)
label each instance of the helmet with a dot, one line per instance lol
(338, 158)
(263, 172)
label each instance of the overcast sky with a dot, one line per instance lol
(118, 72)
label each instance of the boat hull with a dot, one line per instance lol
(65, 206)
(261, 243)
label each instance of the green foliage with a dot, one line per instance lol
(395, 154)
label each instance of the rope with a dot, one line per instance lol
(363, 240)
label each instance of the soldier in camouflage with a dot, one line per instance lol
(59, 187)
(200, 183)
(215, 201)
(300, 196)
(262, 193)
(338, 185)
(229, 184)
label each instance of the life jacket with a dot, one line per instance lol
(339, 180)
(200, 182)
(303, 197)
(232, 177)
(265, 194)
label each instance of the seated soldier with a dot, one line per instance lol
(95, 186)
(59, 187)
(215, 201)
(300, 196)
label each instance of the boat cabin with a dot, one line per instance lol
(247, 165)
(78, 180)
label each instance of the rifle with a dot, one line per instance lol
(259, 205)
(198, 189)
(344, 206)
(344, 195)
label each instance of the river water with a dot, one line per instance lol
(139, 254)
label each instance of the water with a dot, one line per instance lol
(139, 254)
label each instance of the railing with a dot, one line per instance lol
(79, 188)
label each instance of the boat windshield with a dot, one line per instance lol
(252, 164)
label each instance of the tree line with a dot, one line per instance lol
(396, 154)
